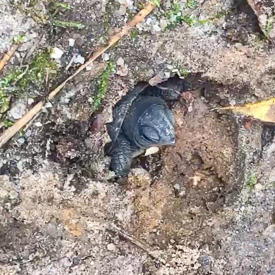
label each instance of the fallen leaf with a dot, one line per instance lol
(70, 223)
(264, 110)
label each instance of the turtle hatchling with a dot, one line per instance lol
(142, 119)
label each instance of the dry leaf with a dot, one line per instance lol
(70, 222)
(264, 110)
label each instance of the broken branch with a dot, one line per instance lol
(10, 132)
(136, 242)
(7, 56)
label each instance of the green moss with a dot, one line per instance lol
(67, 24)
(36, 71)
(134, 35)
(21, 78)
(5, 82)
(252, 180)
(55, 5)
(221, 14)
(269, 24)
(156, 2)
(191, 4)
(7, 123)
(19, 39)
(102, 84)
(176, 15)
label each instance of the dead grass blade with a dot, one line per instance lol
(138, 243)
(7, 56)
(10, 132)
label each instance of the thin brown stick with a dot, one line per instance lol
(7, 56)
(136, 242)
(10, 132)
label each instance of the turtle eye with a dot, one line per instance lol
(149, 134)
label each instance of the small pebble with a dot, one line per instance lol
(270, 231)
(13, 195)
(30, 101)
(177, 186)
(89, 67)
(18, 110)
(28, 133)
(79, 59)
(163, 24)
(21, 140)
(258, 186)
(71, 42)
(20, 166)
(156, 28)
(106, 56)
(48, 105)
(56, 53)
(111, 247)
(38, 124)
(120, 62)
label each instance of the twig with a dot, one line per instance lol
(10, 132)
(70, 63)
(7, 56)
(136, 242)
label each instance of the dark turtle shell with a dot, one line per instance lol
(167, 90)
(119, 112)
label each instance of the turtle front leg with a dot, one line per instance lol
(168, 90)
(121, 157)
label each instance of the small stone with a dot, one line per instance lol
(177, 186)
(106, 56)
(151, 151)
(18, 110)
(89, 67)
(258, 186)
(71, 42)
(156, 28)
(30, 101)
(270, 231)
(149, 21)
(120, 62)
(21, 140)
(13, 195)
(28, 133)
(172, 241)
(111, 247)
(48, 105)
(163, 24)
(56, 53)
(78, 59)
(20, 166)
(38, 124)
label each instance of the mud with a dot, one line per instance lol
(206, 205)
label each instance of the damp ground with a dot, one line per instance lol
(203, 206)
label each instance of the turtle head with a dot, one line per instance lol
(155, 127)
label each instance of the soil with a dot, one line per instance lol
(203, 206)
